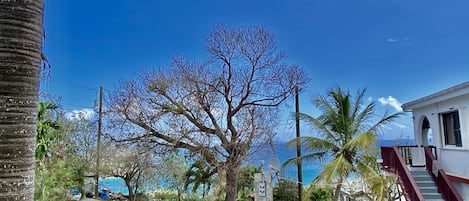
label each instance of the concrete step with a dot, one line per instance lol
(422, 178)
(432, 196)
(421, 184)
(432, 189)
(426, 184)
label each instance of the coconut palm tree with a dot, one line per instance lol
(21, 36)
(346, 133)
(200, 173)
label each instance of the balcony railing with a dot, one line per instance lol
(444, 184)
(392, 159)
(406, 153)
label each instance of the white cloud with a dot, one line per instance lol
(399, 41)
(391, 101)
(85, 113)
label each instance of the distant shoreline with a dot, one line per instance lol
(283, 153)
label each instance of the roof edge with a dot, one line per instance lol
(412, 104)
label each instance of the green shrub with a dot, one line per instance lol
(286, 190)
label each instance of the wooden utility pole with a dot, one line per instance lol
(298, 143)
(100, 112)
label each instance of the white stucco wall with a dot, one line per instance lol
(455, 160)
(463, 189)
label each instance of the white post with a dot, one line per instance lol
(263, 187)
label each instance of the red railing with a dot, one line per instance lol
(444, 184)
(406, 153)
(392, 159)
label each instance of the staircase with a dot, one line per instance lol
(426, 184)
(418, 184)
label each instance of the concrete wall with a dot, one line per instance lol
(455, 160)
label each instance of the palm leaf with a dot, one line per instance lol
(361, 141)
(379, 184)
(385, 120)
(334, 170)
(319, 125)
(304, 158)
(313, 143)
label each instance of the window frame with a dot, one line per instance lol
(451, 128)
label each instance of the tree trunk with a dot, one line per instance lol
(130, 188)
(179, 194)
(231, 185)
(338, 190)
(21, 35)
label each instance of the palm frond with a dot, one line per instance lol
(363, 117)
(334, 170)
(304, 158)
(313, 143)
(378, 184)
(358, 101)
(318, 125)
(385, 120)
(361, 141)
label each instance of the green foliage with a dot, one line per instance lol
(58, 169)
(200, 174)
(175, 167)
(245, 182)
(171, 195)
(320, 194)
(56, 177)
(164, 194)
(286, 190)
(48, 132)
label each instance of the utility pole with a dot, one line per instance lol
(298, 143)
(100, 113)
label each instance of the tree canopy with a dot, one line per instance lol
(218, 108)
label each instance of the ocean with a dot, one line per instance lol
(114, 184)
(282, 154)
(312, 168)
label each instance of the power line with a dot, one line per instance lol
(73, 85)
(73, 106)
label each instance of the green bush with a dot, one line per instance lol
(321, 194)
(170, 195)
(286, 190)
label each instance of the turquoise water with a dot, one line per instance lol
(282, 153)
(115, 184)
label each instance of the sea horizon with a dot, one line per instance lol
(282, 153)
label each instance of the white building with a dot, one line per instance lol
(442, 119)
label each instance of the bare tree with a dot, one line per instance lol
(129, 164)
(219, 109)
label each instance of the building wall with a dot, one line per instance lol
(463, 189)
(454, 160)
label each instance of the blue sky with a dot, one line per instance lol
(396, 49)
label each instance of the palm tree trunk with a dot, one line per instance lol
(338, 189)
(21, 35)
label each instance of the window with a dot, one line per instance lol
(451, 128)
